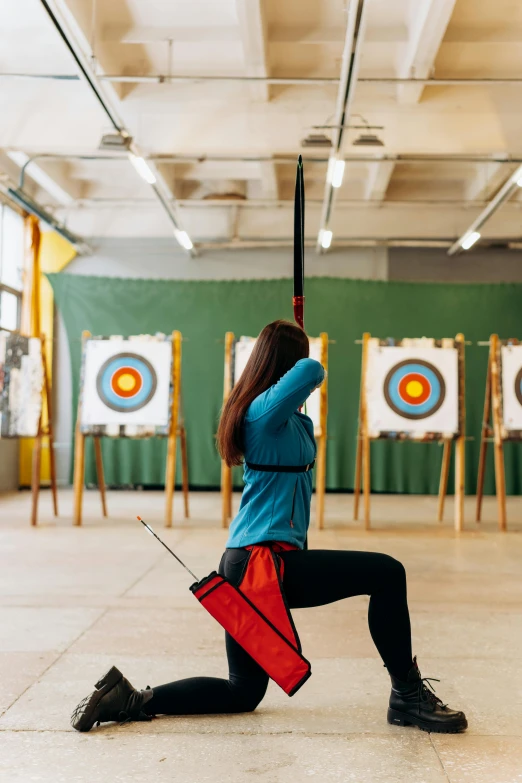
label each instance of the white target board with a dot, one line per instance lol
(511, 357)
(126, 383)
(412, 389)
(243, 349)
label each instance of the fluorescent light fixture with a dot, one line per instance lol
(183, 239)
(338, 174)
(326, 238)
(331, 168)
(469, 240)
(143, 168)
(519, 182)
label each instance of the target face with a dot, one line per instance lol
(243, 350)
(518, 386)
(511, 361)
(126, 382)
(414, 389)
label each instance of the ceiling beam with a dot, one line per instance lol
(252, 28)
(350, 63)
(427, 26)
(78, 45)
(379, 176)
(487, 179)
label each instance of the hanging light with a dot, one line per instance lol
(469, 240)
(183, 239)
(326, 238)
(338, 174)
(143, 168)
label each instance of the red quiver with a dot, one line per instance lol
(255, 614)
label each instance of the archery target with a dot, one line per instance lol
(412, 389)
(126, 382)
(511, 357)
(243, 350)
(313, 403)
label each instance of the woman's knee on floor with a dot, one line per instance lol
(392, 571)
(248, 693)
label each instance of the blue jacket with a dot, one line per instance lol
(276, 506)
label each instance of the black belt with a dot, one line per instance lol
(281, 468)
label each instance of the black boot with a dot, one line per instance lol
(414, 703)
(113, 700)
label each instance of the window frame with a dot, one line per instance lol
(18, 293)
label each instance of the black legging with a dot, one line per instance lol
(311, 578)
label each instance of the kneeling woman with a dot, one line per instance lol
(262, 425)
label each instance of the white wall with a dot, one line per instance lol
(164, 258)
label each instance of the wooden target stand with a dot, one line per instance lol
(177, 430)
(493, 429)
(43, 431)
(320, 434)
(362, 459)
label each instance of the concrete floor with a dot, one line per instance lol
(73, 601)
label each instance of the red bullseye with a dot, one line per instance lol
(126, 382)
(414, 388)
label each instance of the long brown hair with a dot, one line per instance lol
(279, 346)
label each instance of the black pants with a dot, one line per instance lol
(311, 578)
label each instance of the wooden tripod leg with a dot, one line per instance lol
(496, 404)
(79, 474)
(444, 473)
(500, 480)
(184, 470)
(35, 478)
(79, 453)
(357, 480)
(320, 482)
(364, 433)
(100, 473)
(226, 493)
(484, 443)
(366, 479)
(460, 444)
(50, 433)
(170, 478)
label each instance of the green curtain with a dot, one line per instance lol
(204, 310)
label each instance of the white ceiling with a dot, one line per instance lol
(225, 138)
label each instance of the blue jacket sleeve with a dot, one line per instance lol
(280, 401)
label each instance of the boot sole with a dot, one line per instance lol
(87, 718)
(404, 719)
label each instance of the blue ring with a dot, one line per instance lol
(405, 409)
(138, 400)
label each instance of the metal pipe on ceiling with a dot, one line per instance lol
(348, 80)
(92, 79)
(311, 81)
(165, 158)
(472, 234)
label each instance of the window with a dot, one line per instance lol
(11, 267)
